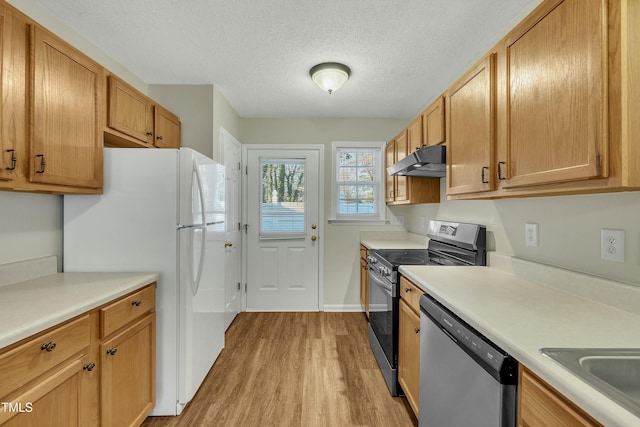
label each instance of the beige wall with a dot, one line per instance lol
(568, 228)
(226, 117)
(194, 105)
(341, 242)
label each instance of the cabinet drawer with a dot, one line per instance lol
(36, 356)
(116, 315)
(410, 293)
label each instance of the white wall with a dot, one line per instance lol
(341, 242)
(30, 226)
(568, 228)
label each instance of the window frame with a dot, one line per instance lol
(360, 219)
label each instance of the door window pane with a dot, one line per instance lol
(282, 205)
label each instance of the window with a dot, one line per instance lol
(282, 207)
(357, 191)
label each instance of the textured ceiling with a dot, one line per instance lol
(258, 53)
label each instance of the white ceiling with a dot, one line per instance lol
(258, 53)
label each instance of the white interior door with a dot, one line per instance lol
(283, 235)
(231, 158)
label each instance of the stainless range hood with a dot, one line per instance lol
(427, 162)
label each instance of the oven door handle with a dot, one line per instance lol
(380, 283)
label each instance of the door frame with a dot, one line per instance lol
(227, 137)
(321, 202)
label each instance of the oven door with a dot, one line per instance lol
(383, 316)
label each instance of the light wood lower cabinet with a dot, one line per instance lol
(409, 343)
(364, 280)
(69, 376)
(540, 405)
(128, 372)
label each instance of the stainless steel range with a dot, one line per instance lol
(450, 243)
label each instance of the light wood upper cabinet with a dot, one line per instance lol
(415, 134)
(167, 128)
(66, 134)
(540, 405)
(130, 112)
(470, 122)
(557, 123)
(6, 149)
(401, 150)
(390, 181)
(134, 120)
(433, 122)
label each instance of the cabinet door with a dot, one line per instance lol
(414, 134)
(470, 130)
(409, 355)
(557, 95)
(390, 181)
(433, 121)
(167, 125)
(539, 405)
(6, 150)
(66, 137)
(130, 112)
(402, 182)
(54, 401)
(364, 287)
(128, 374)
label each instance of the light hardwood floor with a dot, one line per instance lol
(294, 369)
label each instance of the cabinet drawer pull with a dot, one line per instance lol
(149, 133)
(112, 351)
(417, 330)
(136, 302)
(500, 177)
(407, 289)
(13, 159)
(484, 168)
(50, 346)
(89, 366)
(42, 163)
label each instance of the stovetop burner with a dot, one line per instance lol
(404, 256)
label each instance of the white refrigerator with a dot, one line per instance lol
(163, 210)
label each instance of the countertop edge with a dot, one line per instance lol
(125, 285)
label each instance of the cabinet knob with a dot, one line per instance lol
(136, 302)
(149, 133)
(417, 330)
(42, 163)
(50, 346)
(159, 138)
(13, 160)
(112, 351)
(407, 289)
(89, 366)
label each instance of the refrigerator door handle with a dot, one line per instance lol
(195, 283)
(196, 280)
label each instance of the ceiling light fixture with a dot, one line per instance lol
(329, 76)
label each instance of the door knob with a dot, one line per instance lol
(313, 226)
(228, 244)
(313, 238)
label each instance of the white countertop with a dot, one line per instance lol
(521, 317)
(31, 306)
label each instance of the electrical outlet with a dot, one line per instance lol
(531, 235)
(612, 245)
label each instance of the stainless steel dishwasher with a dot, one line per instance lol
(465, 380)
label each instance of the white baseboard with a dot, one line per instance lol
(351, 308)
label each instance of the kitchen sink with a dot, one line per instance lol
(613, 372)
